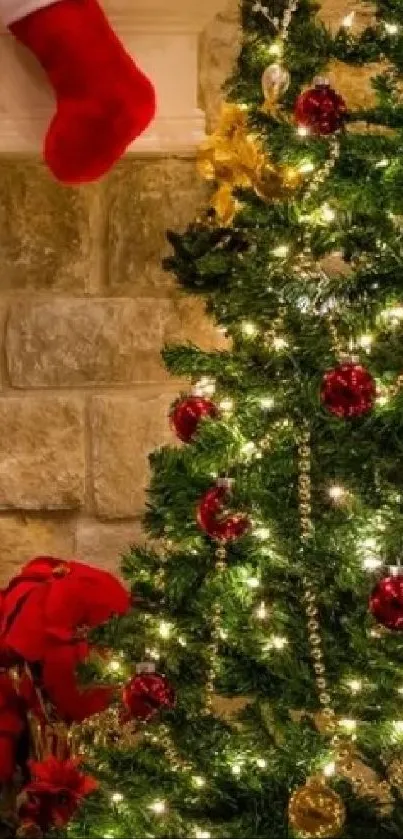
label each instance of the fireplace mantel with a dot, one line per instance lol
(163, 37)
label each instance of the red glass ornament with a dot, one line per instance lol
(321, 109)
(215, 521)
(146, 694)
(386, 602)
(187, 414)
(348, 391)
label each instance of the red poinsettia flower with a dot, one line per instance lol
(43, 612)
(55, 792)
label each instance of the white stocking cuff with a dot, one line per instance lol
(13, 10)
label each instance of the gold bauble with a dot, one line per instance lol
(316, 811)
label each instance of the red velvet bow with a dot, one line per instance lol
(44, 611)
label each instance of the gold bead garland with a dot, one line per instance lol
(315, 811)
(220, 568)
(311, 608)
(323, 173)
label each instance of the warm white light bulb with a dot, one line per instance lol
(382, 400)
(236, 768)
(382, 163)
(355, 685)
(275, 642)
(279, 642)
(276, 48)
(267, 402)
(262, 533)
(391, 28)
(165, 629)
(205, 387)
(248, 448)
(114, 665)
(348, 20)
(199, 781)
(227, 406)
(117, 797)
(371, 563)
(400, 691)
(261, 611)
(154, 653)
(394, 313)
(336, 492)
(303, 130)
(158, 807)
(366, 341)
(261, 763)
(253, 582)
(327, 213)
(279, 343)
(202, 834)
(330, 769)
(281, 251)
(249, 329)
(306, 167)
(348, 724)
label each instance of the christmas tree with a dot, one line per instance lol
(261, 663)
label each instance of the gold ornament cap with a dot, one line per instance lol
(316, 811)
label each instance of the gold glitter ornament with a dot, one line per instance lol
(316, 811)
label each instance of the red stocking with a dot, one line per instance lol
(103, 100)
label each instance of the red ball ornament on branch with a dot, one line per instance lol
(348, 391)
(188, 413)
(145, 695)
(214, 518)
(386, 601)
(320, 109)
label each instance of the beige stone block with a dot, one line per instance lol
(190, 323)
(332, 12)
(144, 199)
(125, 430)
(69, 343)
(3, 315)
(354, 83)
(24, 537)
(45, 230)
(41, 453)
(104, 545)
(219, 48)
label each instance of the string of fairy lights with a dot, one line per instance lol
(162, 633)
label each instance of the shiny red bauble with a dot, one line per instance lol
(146, 694)
(216, 521)
(348, 391)
(320, 109)
(386, 602)
(186, 416)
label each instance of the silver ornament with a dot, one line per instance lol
(275, 82)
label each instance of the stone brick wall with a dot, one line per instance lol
(84, 310)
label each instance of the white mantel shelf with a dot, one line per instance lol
(162, 35)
